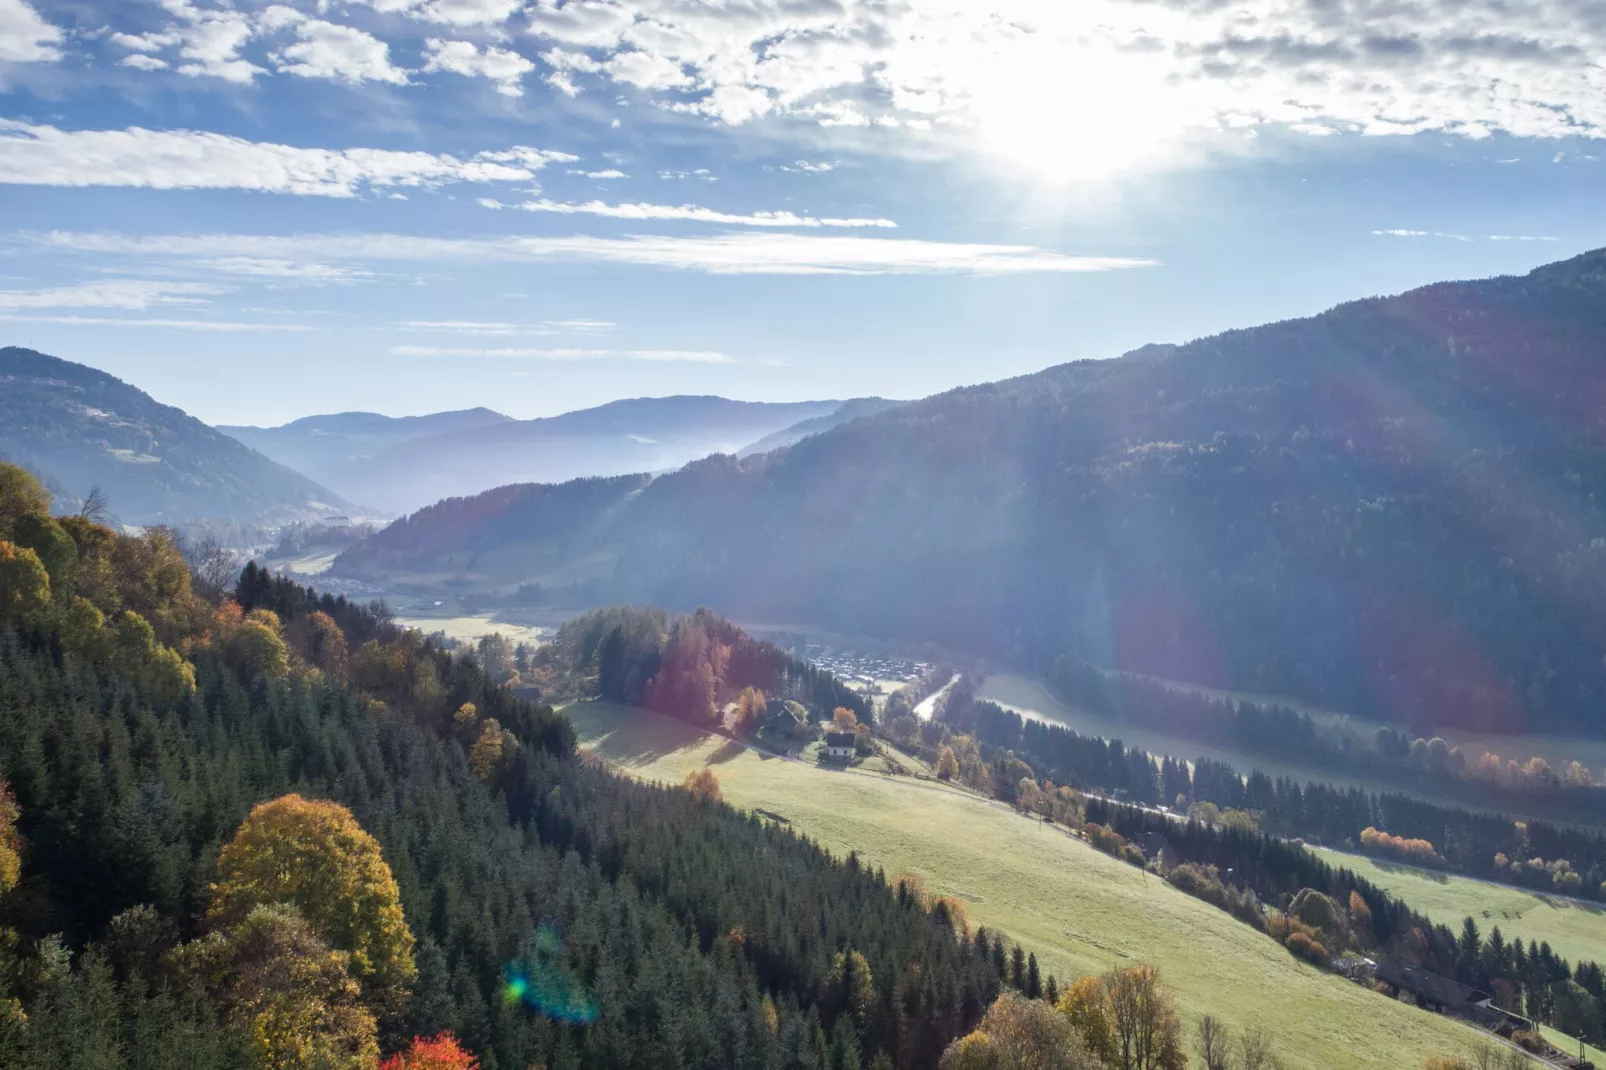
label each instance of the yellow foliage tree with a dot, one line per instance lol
(10, 840)
(1020, 1034)
(947, 763)
(486, 753)
(703, 784)
(24, 584)
(843, 719)
(1148, 1032)
(251, 645)
(853, 986)
(1086, 1005)
(20, 495)
(274, 978)
(312, 855)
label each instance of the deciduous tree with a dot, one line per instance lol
(314, 856)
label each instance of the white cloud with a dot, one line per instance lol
(501, 66)
(142, 62)
(611, 172)
(545, 327)
(669, 356)
(806, 168)
(452, 12)
(690, 212)
(187, 159)
(1096, 86)
(728, 254)
(224, 326)
(25, 37)
(209, 41)
(1522, 237)
(564, 65)
(338, 53)
(109, 293)
(267, 268)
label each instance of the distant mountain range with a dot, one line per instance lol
(79, 428)
(1397, 507)
(400, 464)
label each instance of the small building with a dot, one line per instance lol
(1451, 997)
(839, 745)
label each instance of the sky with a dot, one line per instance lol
(257, 211)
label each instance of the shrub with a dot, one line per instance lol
(1306, 948)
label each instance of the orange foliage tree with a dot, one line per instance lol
(313, 855)
(703, 784)
(441, 1052)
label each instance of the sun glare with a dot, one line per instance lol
(1079, 112)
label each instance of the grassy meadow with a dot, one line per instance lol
(1574, 929)
(1079, 910)
(469, 628)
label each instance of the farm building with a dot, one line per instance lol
(839, 745)
(1446, 996)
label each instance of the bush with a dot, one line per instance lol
(1306, 948)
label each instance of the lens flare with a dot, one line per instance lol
(544, 983)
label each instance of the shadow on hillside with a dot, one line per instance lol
(1401, 869)
(643, 739)
(729, 751)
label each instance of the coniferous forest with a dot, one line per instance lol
(170, 859)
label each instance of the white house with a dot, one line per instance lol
(839, 745)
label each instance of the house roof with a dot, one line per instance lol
(840, 739)
(1441, 990)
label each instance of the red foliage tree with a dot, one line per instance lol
(441, 1052)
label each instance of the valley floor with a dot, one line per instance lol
(1079, 910)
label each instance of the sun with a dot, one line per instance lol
(1079, 111)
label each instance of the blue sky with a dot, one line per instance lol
(256, 211)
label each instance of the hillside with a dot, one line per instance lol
(849, 410)
(1394, 507)
(403, 464)
(322, 447)
(80, 428)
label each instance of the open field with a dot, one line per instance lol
(469, 628)
(1575, 930)
(1079, 910)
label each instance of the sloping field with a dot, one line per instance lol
(1080, 910)
(1574, 929)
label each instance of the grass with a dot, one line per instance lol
(1080, 911)
(470, 627)
(1574, 930)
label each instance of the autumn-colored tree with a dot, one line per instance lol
(10, 840)
(843, 719)
(1086, 1005)
(287, 989)
(703, 784)
(21, 495)
(751, 705)
(1143, 1017)
(485, 756)
(322, 644)
(958, 916)
(1020, 1034)
(251, 644)
(947, 764)
(56, 550)
(313, 855)
(1360, 918)
(441, 1052)
(24, 584)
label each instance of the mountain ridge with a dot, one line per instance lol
(1397, 506)
(80, 427)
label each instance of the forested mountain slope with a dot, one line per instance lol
(851, 409)
(80, 428)
(1395, 507)
(267, 828)
(401, 465)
